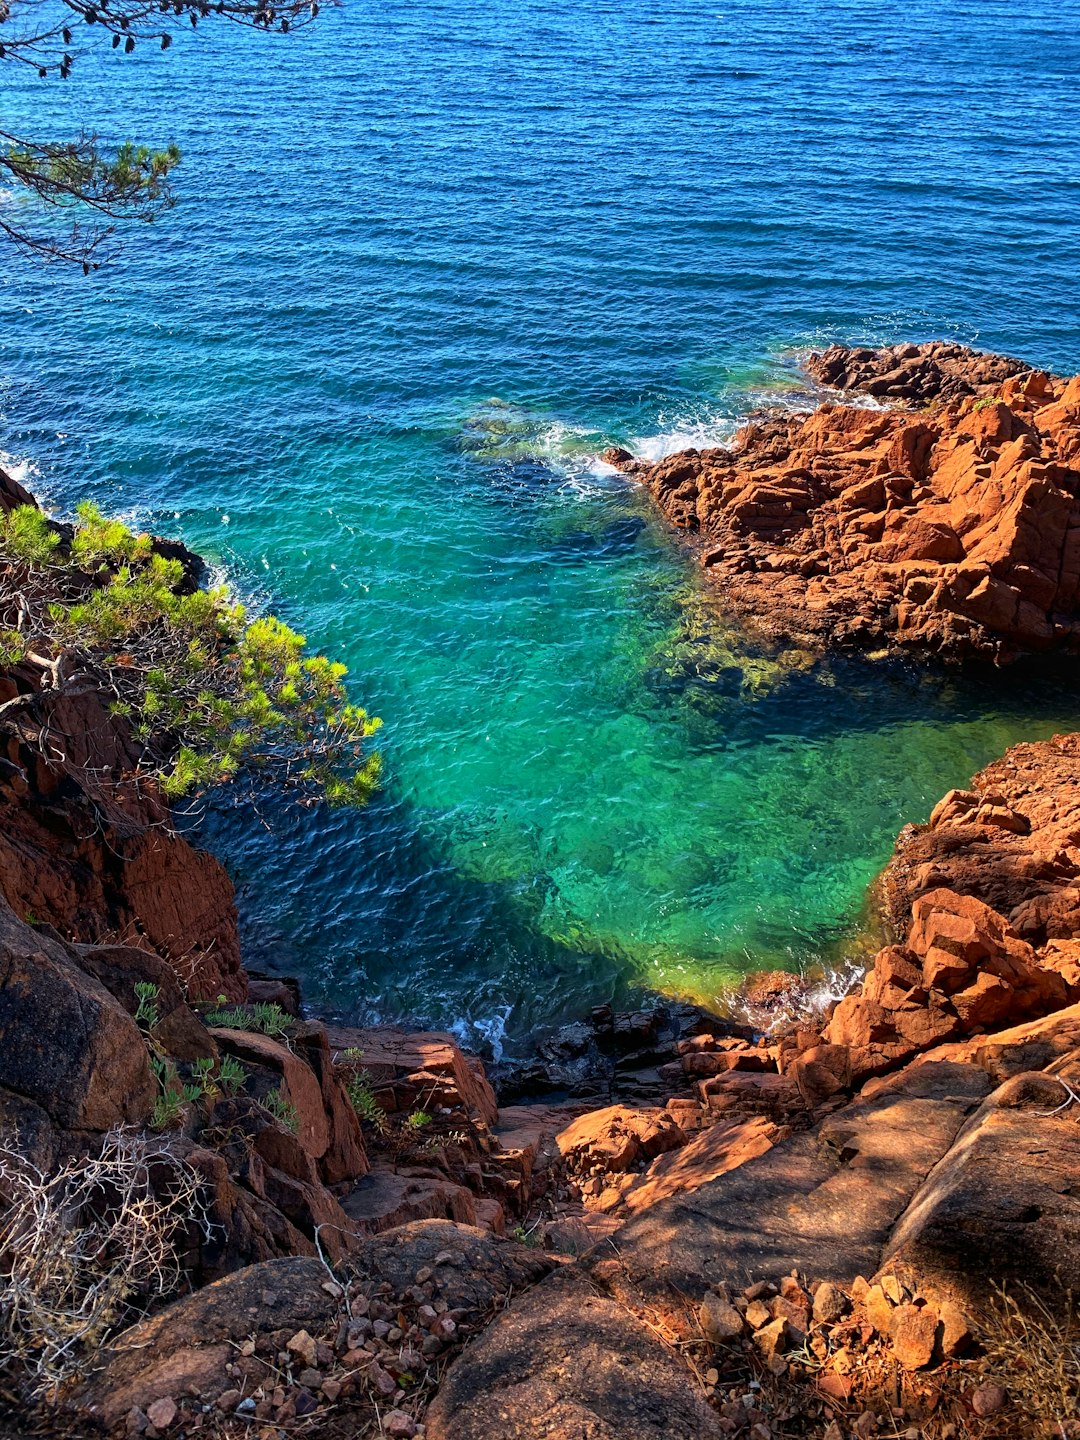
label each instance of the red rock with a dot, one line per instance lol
(913, 1331)
(616, 1137)
(419, 1065)
(162, 1413)
(953, 532)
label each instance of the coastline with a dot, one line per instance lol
(692, 1138)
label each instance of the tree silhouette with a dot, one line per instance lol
(99, 187)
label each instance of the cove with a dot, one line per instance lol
(370, 379)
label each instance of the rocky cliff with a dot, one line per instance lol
(669, 1225)
(947, 524)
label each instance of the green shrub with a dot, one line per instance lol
(282, 1110)
(361, 1095)
(26, 535)
(267, 1018)
(206, 690)
(231, 1076)
(146, 1011)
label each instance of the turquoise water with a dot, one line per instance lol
(428, 262)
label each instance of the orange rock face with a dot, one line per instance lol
(986, 897)
(951, 530)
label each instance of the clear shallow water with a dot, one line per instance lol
(428, 262)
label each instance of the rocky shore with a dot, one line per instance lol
(945, 525)
(860, 1221)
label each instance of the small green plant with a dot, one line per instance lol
(146, 1010)
(986, 402)
(12, 648)
(202, 1075)
(267, 1018)
(417, 1119)
(361, 1095)
(174, 1097)
(281, 1109)
(31, 918)
(231, 1076)
(27, 535)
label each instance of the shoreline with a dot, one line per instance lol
(670, 1164)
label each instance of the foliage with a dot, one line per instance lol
(207, 691)
(417, 1119)
(146, 1012)
(265, 1017)
(26, 534)
(231, 1076)
(79, 177)
(174, 1096)
(82, 1248)
(281, 1109)
(361, 1095)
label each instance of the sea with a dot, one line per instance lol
(427, 262)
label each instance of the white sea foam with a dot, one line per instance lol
(485, 1030)
(23, 472)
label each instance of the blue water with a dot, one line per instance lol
(430, 260)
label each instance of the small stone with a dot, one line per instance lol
(913, 1332)
(399, 1425)
(246, 1406)
(955, 1330)
(791, 1290)
(424, 1275)
(878, 1310)
(305, 1403)
(311, 1378)
(720, 1321)
(247, 1348)
(893, 1289)
(229, 1400)
(444, 1328)
(757, 1315)
(137, 1421)
(989, 1399)
(830, 1304)
(772, 1339)
(712, 1376)
(759, 1290)
(833, 1432)
(331, 1388)
(303, 1347)
(385, 1384)
(333, 1288)
(162, 1413)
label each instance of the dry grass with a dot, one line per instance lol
(1035, 1353)
(83, 1249)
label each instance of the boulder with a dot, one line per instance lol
(186, 1347)
(418, 1068)
(565, 1360)
(71, 1057)
(616, 1138)
(1002, 1204)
